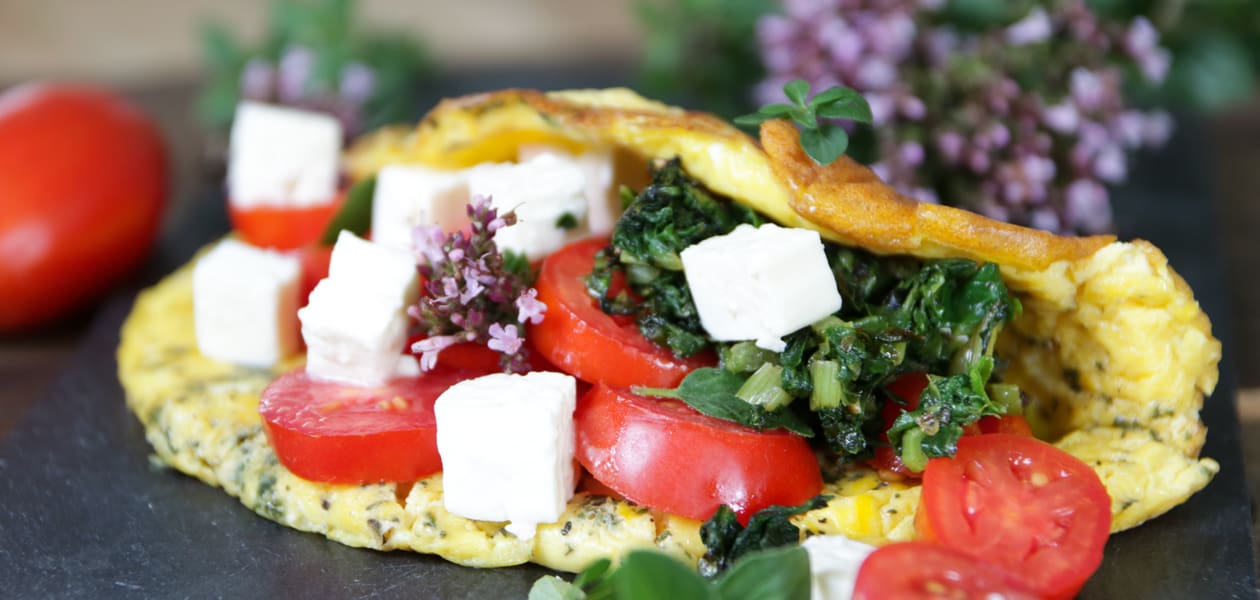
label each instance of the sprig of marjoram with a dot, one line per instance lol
(822, 139)
(472, 292)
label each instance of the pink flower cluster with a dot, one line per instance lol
(470, 294)
(1026, 123)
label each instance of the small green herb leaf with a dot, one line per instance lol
(550, 587)
(852, 110)
(823, 141)
(713, 392)
(778, 573)
(646, 574)
(796, 91)
(355, 214)
(825, 144)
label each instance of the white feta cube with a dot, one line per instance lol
(506, 443)
(407, 196)
(548, 195)
(834, 561)
(373, 268)
(355, 324)
(760, 283)
(245, 304)
(603, 199)
(282, 157)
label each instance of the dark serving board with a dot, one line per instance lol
(83, 514)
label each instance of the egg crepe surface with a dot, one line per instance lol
(1112, 349)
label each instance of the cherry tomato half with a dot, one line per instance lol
(662, 454)
(283, 228)
(1019, 503)
(582, 340)
(337, 433)
(921, 571)
(82, 188)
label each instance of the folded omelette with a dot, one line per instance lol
(1112, 349)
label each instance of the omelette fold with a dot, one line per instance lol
(1112, 349)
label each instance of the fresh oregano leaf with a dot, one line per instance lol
(355, 214)
(796, 91)
(711, 391)
(550, 587)
(779, 573)
(825, 144)
(645, 574)
(823, 141)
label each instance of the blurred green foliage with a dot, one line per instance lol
(330, 30)
(703, 52)
(1215, 46)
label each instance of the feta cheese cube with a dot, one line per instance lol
(545, 192)
(506, 443)
(245, 304)
(282, 157)
(355, 324)
(834, 561)
(374, 269)
(603, 199)
(407, 196)
(760, 283)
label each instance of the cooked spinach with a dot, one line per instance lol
(900, 315)
(672, 213)
(726, 541)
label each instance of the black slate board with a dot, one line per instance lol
(82, 514)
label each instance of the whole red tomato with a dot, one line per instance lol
(82, 187)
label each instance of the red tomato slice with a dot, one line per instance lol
(1013, 424)
(582, 340)
(283, 228)
(337, 433)
(920, 571)
(662, 454)
(1021, 504)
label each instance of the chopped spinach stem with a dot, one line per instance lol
(900, 315)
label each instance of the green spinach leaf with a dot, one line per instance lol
(712, 392)
(727, 541)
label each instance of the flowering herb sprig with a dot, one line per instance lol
(472, 292)
(1019, 115)
(821, 138)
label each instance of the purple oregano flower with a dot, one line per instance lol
(471, 292)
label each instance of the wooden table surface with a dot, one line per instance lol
(29, 363)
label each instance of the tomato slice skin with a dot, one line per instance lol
(1021, 504)
(336, 433)
(662, 454)
(582, 340)
(283, 228)
(918, 570)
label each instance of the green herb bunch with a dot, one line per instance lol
(821, 138)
